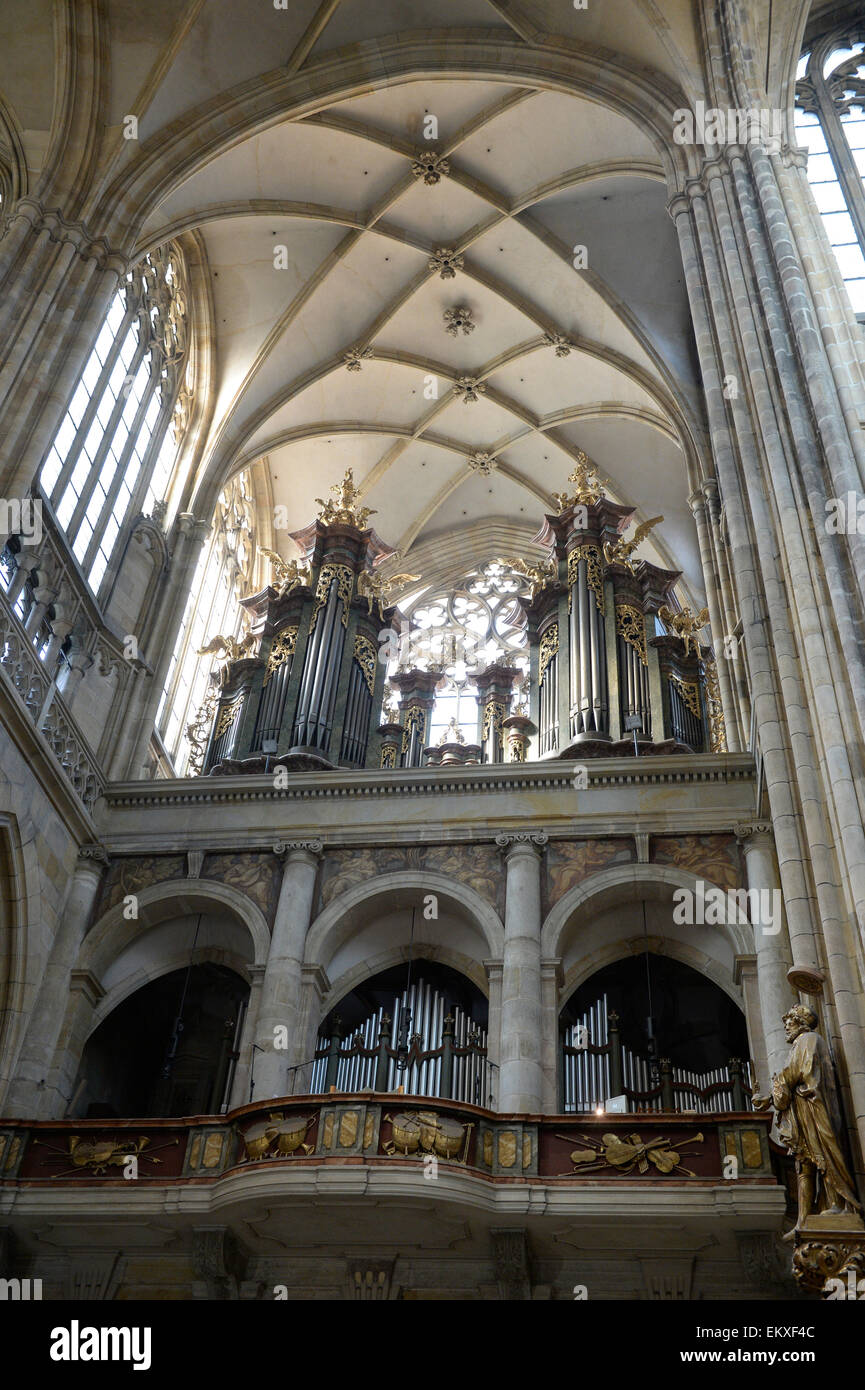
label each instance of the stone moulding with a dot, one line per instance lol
(676, 770)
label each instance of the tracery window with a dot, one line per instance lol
(222, 577)
(463, 631)
(113, 453)
(830, 122)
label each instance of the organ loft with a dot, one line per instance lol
(432, 686)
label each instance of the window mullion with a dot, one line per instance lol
(842, 157)
(104, 445)
(122, 465)
(87, 418)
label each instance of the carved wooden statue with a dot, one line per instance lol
(809, 1121)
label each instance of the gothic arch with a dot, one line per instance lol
(19, 911)
(699, 961)
(175, 151)
(464, 965)
(110, 936)
(335, 924)
(623, 882)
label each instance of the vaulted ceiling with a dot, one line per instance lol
(319, 240)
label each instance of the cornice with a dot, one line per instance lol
(677, 770)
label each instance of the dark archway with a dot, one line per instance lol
(131, 1066)
(657, 1032)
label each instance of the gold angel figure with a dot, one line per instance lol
(231, 648)
(287, 574)
(620, 551)
(540, 575)
(380, 587)
(685, 625)
(345, 509)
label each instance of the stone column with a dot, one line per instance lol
(130, 756)
(771, 946)
(494, 1032)
(31, 1095)
(240, 1085)
(521, 1079)
(745, 975)
(280, 1005)
(552, 978)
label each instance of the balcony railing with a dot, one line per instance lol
(380, 1131)
(23, 671)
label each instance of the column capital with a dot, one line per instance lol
(198, 528)
(286, 849)
(754, 831)
(92, 856)
(525, 841)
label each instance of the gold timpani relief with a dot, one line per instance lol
(277, 1137)
(426, 1132)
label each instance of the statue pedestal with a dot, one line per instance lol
(829, 1255)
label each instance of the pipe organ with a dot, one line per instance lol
(312, 696)
(447, 1053)
(603, 670)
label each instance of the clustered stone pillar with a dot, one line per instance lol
(34, 1091)
(281, 989)
(521, 1078)
(770, 940)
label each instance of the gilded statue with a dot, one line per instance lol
(344, 510)
(620, 551)
(287, 574)
(231, 648)
(588, 488)
(685, 625)
(540, 575)
(381, 588)
(809, 1121)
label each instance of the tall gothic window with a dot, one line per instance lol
(113, 453)
(830, 121)
(223, 576)
(462, 632)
